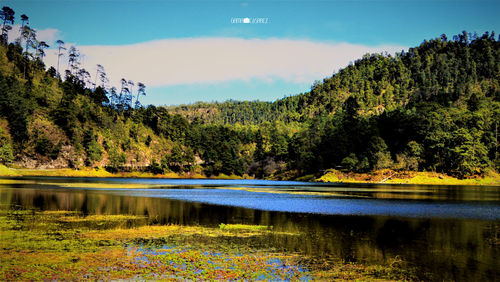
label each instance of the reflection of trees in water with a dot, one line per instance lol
(450, 249)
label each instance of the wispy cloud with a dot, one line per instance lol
(212, 60)
(49, 35)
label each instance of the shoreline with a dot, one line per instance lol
(330, 176)
(102, 173)
(388, 176)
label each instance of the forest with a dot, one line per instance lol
(434, 107)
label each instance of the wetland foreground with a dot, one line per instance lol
(65, 245)
(73, 229)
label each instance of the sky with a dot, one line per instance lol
(215, 50)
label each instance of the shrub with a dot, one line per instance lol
(350, 162)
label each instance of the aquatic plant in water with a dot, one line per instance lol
(67, 245)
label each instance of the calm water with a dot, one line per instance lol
(447, 233)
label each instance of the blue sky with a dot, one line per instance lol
(302, 40)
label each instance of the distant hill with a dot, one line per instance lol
(439, 70)
(438, 100)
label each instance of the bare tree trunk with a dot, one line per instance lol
(496, 142)
(95, 80)
(58, 57)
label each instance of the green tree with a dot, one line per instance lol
(6, 152)
(279, 147)
(116, 159)
(60, 47)
(7, 18)
(41, 46)
(24, 20)
(470, 154)
(29, 36)
(141, 91)
(378, 154)
(92, 148)
(350, 162)
(73, 60)
(175, 159)
(46, 147)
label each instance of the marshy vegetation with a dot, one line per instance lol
(318, 231)
(68, 245)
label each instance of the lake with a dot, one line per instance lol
(446, 232)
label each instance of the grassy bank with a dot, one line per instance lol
(101, 172)
(393, 177)
(65, 245)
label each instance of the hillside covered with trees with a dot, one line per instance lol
(435, 107)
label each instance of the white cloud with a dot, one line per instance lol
(49, 35)
(213, 60)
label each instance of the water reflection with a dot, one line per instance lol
(441, 248)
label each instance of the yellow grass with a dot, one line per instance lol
(435, 178)
(101, 172)
(5, 171)
(84, 172)
(430, 178)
